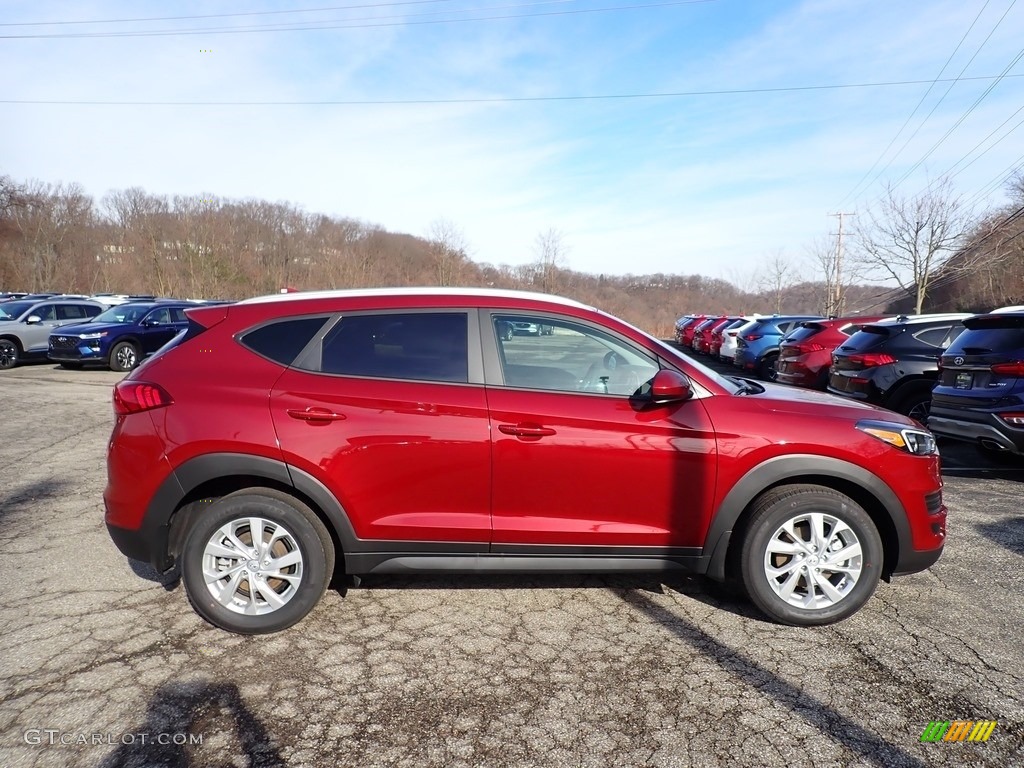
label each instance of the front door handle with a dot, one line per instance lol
(525, 430)
(313, 413)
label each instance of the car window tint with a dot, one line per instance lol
(161, 316)
(178, 315)
(45, 312)
(867, 337)
(982, 340)
(568, 357)
(281, 341)
(424, 346)
(72, 312)
(933, 336)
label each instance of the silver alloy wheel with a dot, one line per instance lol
(126, 357)
(813, 560)
(252, 575)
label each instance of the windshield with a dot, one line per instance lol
(727, 384)
(12, 310)
(123, 313)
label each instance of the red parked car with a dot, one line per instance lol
(805, 353)
(281, 440)
(686, 336)
(717, 334)
(702, 336)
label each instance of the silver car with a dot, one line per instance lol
(25, 326)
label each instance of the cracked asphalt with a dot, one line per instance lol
(106, 665)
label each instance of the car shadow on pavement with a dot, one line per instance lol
(185, 726)
(1008, 532)
(832, 724)
(169, 581)
(17, 497)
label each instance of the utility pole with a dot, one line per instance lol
(837, 293)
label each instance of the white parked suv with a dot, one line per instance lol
(728, 348)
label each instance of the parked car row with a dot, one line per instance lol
(75, 331)
(961, 374)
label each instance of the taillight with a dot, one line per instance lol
(1014, 419)
(138, 396)
(752, 337)
(871, 359)
(808, 346)
(1015, 368)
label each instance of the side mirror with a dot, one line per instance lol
(670, 386)
(150, 323)
(34, 320)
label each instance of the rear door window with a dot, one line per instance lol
(424, 346)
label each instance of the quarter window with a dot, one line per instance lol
(283, 340)
(425, 346)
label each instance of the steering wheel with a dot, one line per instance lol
(596, 378)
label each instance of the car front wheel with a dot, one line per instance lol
(810, 556)
(124, 356)
(8, 354)
(254, 563)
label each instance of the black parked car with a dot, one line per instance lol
(980, 393)
(895, 363)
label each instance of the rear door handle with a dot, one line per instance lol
(525, 430)
(313, 413)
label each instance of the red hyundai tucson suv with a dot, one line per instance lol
(284, 440)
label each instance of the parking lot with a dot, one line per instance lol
(106, 665)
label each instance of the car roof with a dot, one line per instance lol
(920, 319)
(478, 293)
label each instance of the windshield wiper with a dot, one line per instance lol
(746, 387)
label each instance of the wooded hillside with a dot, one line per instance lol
(56, 237)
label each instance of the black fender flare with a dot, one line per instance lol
(802, 468)
(193, 473)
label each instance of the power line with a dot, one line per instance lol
(963, 117)
(223, 15)
(373, 22)
(482, 100)
(913, 112)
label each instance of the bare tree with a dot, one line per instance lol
(549, 247)
(774, 277)
(911, 239)
(448, 251)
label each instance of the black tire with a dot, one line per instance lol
(767, 370)
(10, 354)
(914, 400)
(124, 356)
(294, 528)
(845, 524)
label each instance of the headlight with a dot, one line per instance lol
(919, 442)
(85, 336)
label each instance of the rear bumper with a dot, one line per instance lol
(976, 428)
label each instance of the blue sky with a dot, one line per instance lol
(471, 112)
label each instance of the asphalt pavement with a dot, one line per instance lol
(106, 665)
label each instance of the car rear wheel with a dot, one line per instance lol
(124, 356)
(810, 555)
(769, 368)
(915, 401)
(254, 563)
(9, 354)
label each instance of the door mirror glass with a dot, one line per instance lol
(670, 387)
